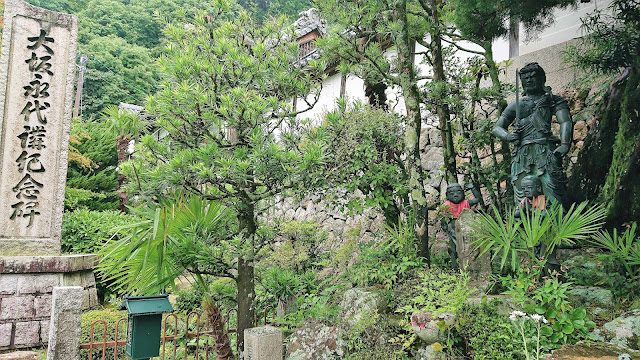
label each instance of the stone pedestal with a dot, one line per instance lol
(263, 343)
(26, 287)
(478, 267)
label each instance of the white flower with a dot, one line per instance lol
(515, 314)
(536, 317)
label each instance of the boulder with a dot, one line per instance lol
(357, 303)
(433, 162)
(595, 350)
(435, 138)
(427, 326)
(623, 331)
(590, 296)
(430, 352)
(313, 341)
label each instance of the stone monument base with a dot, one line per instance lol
(26, 286)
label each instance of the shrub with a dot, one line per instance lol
(367, 340)
(110, 316)
(386, 263)
(188, 300)
(437, 291)
(85, 231)
(298, 245)
(548, 297)
(486, 334)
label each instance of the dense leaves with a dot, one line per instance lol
(364, 154)
(224, 102)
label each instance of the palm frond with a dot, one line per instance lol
(577, 224)
(146, 261)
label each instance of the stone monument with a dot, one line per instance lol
(477, 266)
(37, 70)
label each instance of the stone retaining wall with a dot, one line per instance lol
(26, 286)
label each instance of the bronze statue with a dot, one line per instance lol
(535, 150)
(453, 207)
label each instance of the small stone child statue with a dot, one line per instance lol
(454, 205)
(535, 200)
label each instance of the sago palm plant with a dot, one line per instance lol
(187, 236)
(512, 239)
(624, 248)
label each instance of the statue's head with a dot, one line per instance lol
(533, 78)
(531, 186)
(455, 194)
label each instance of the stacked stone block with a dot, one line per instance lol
(26, 286)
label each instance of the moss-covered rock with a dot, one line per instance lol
(609, 164)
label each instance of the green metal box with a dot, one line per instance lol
(143, 327)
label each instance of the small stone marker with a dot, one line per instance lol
(37, 70)
(478, 267)
(20, 355)
(263, 343)
(64, 331)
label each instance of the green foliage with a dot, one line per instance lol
(80, 198)
(282, 284)
(261, 10)
(438, 291)
(364, 153)
(385, 263)
(188, 300)
(613, 38)
(485, 21)
(320, 305)
(87, 231)
(623, 248)
(93, 188)
(365, 340)
(512, 239)
(487, 334)
(187, 234)
(548, 298)
(297, 247)
(110, 317)
(117, 71)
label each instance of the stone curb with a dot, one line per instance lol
(47, 264)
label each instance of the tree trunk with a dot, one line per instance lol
(245, 281)
(223, 345)
(408, 83)
(444, 115)
(122, 145)
(501, 104)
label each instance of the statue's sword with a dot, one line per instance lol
(516, 126)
